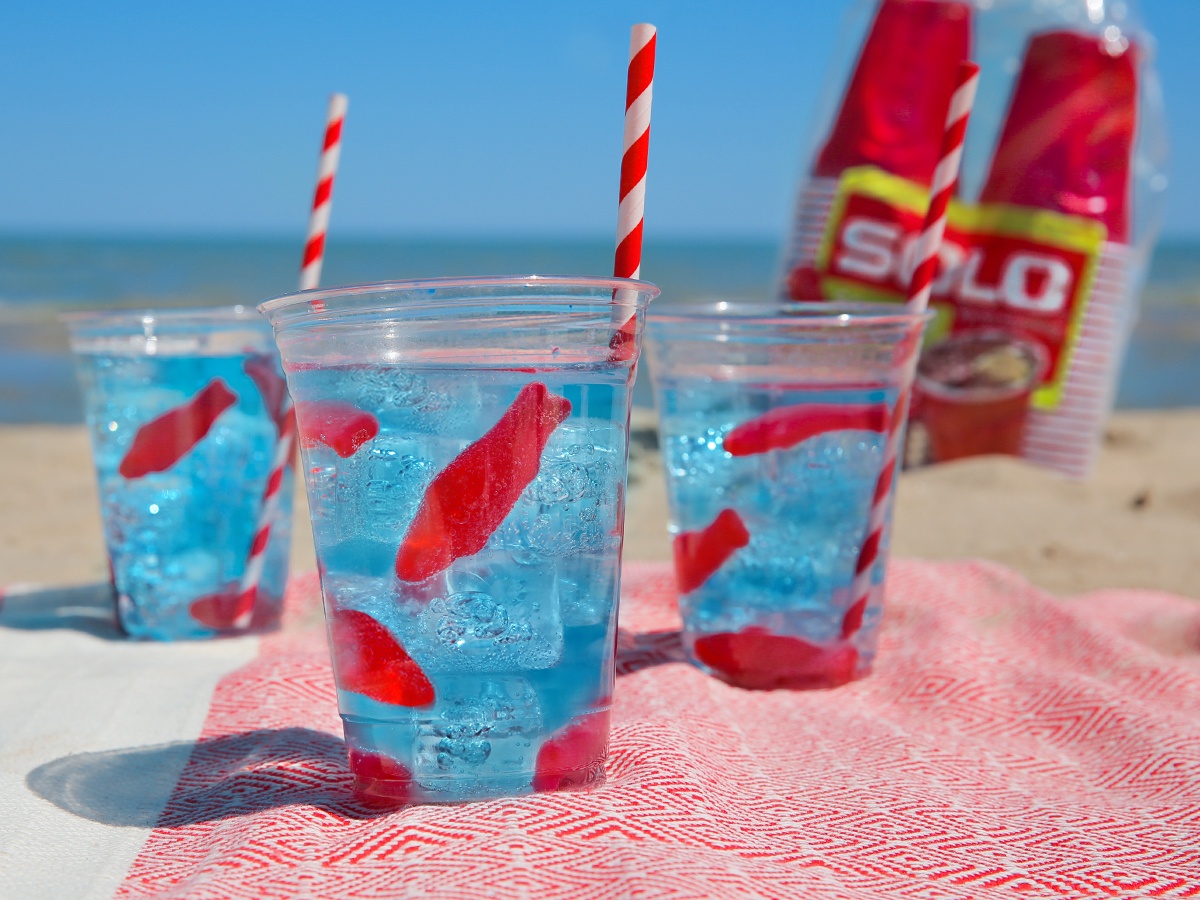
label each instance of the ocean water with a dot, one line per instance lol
(41, 276)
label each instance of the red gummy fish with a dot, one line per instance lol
(757, 659)
(1067, 141)
(571, 756)
(894, 109)
(221, 610)
(342, 427)
(379, 780)
(163, 441)
(698, 554)
(789, 425)
(271, 385)
(368, 660)
(469, 499)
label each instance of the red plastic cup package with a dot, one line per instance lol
(1047, 239)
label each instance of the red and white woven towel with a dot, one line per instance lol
(1008, 744)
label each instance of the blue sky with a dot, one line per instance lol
(466, 118)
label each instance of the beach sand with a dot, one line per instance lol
(1136, 523)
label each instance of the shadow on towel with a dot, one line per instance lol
(651, 648)
(87, 608)
(186, 782)
(182, 783)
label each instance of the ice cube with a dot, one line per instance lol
(560, 481)
(321, 482)
(702, 475)
(394, 476)
(197, 573)
(479, 728)
(372, 495)
(116, 420)
(365, 594)
(586, 587)
(230, 463)
(386, 388)
(503, 627)
(358, 556)
(147, 515)
(535, 533)
(480, 737)
(571, 506)
(829, 479)
(778, 568)
(473, 617)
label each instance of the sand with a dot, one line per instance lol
(1136, 523)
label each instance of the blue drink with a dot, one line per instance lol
(185, 409)
(467, 504)
(773, 440)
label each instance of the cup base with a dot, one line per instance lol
(771, 681)
(380, 782)
(756, 659)
(203, 619)
(384, 792)
(570, 780)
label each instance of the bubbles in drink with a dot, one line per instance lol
(804, 505)
(474, 618)
(388, 388)
(490, 627)
(182, 446)
(483, 728)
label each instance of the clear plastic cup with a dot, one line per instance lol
(186, 409)
(465, 448)
(773, 421)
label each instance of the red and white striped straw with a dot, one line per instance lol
(318, 222)
(945, 178)
(639, 92)
(285, 449)
(285, 444)
(929, 243)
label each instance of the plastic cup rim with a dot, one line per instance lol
(201, 316)
(298, 300)
(789, 313)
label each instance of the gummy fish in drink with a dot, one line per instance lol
(773, 422)
(468, 518)
(767, 532)
(186, 410)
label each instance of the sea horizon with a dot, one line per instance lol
(44, 273)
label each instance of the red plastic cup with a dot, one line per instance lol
(973, 392)
(894, 110)
(1068, 137)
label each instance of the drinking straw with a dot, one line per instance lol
(945, 178)
(1081, 166)
(639, 91)
(890, 117)
(285, 444)
(318, 222)
(285, 448)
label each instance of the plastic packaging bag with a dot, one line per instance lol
(1047, 240)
